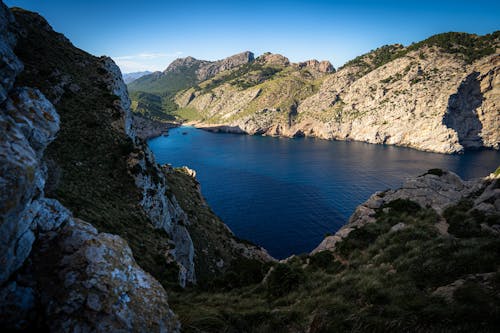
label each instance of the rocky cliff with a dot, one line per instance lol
(58, 272)
(438, 95)
(77, 187)
(436, 189)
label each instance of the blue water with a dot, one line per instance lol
(286, 194)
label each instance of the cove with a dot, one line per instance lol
(286, 194)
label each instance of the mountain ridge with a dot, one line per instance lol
(379, 97)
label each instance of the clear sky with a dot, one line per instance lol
(148, 35)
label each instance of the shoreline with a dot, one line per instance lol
(228, 129)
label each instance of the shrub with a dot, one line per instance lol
(283, 279)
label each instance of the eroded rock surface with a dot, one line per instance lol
(437, 191)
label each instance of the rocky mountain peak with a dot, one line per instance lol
(269, 58)
(321, 66)
(177, 64)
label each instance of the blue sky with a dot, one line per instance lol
(148, 35)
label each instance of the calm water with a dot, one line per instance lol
(285, 194)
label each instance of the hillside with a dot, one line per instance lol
(83, 199)
(439, 95)
(152, 95)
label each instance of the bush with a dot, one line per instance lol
(437, 172)
(283, 279)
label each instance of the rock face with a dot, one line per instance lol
(114, 81)
(56, 271)
(437, 190)
(164, 211)
(146, 128)
(98, 286)
(427, 98)
(213, 68)
(324, 66)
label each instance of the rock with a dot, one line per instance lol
(10, 65)
(428, 190)
(207, 69)
(113, 78)
(146, 129)
(29, 123)
(397, 227)
(273, 59)
(212, 69)
(17, 306)
(97, 285)
(437, 103)
(323, 67)
(163, 210)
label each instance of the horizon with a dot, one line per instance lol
(148, 36)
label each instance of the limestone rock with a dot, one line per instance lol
(428, 190)
(114, 80)
(10, 65)
(273, 59)
(164, 210)
(145, 128)
(323, 67)
(97, 285)
(212, 69)
(29, 123)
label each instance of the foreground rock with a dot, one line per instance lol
(436, 189)
(98, 286)
(58, 272)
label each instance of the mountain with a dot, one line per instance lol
(152, 95)
(93, 230)
(440, 95)
(129, 77)
(97, 237)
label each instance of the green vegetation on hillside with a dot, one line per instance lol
(377, 280)
(88, 160)
(470, 47)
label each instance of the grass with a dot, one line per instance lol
(384, 282)
(189, 114)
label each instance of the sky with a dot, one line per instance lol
(147, 35)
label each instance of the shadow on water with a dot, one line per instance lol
(461, 115)
(286, 194)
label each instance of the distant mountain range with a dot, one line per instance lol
(129, 77)
(440, 94)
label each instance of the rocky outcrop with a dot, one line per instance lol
(214, 68)
(114, 81)
(323, 67)
(58, 272)
(206, 69)
(29, 123)
(98, 286)
(164, 211)
(146, 128)
(273, 59)
(436, 189)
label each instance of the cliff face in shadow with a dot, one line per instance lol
(462, 113)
